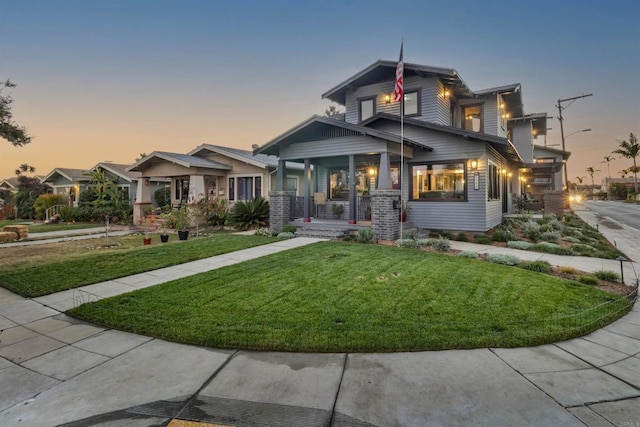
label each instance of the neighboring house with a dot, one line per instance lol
(462, 157)
(10, 184)
(211, 171)
(68, 182)
(71, 182)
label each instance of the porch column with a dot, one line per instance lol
(352, 189)
(279, 209)
(307, 190)
(281, 175)
(384, 214)
(143, 200)
(196, 188)
(384, 172)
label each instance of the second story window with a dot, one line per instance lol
(472, 115)
(366, 108)
(412, 103)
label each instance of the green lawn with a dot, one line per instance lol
(95, 264)
(337, 296)
(41, 228)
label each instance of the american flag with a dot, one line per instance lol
(398, 90)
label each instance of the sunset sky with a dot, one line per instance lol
(108, 80)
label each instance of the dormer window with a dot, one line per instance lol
(366, 107)
(472, 115)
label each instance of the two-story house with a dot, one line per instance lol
(462, 156)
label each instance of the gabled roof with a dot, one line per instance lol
(538, 122)
(119, 170)
(179, 159)
(10, 183)
(311, 128)
(260, 160)
(383, 70)
(73, 175)
(502, 145)
(511, 94)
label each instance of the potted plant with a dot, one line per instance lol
(146, 240)
(337, 210)
(181, 221)
(164, 227)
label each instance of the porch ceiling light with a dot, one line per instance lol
(372, 172)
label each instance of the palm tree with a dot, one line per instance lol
(630, 150)
(580, 180)
(24, 168)
(623, 173)
(591, 171)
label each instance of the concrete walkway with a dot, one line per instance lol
(55, 369)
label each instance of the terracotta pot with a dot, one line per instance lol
(146, 241)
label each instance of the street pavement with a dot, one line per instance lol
(57, 370)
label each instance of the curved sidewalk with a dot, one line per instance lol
(55, 369)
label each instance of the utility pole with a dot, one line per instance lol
(560, 108)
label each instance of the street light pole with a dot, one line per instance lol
(560, 108)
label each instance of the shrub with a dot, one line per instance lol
(410, 234)
(571, 239)
(406, 243)
(567, 270)
(546, 228)
(609, 276)
(364, 235)
(288, 228)
(435, 233)
(583, 249)
(573, 231)
(442, 245)
(539, 266)
(531, 230)
(246, 215)
(503, 259)
(44, 202)
(462, 237)
(502, 235)
(425, 243)
(482, 239)
(588, 280)
(556, 224)
(550, 236)
(286, 235)
(162, 196)
(265, 232)
(68, 214)
(468, 254)
(519, 244)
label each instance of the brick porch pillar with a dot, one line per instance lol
(384, 218)
(279, 209)
(554, 202)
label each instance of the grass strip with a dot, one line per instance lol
(337, 297)
(97, 265)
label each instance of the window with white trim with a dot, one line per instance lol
(243, 188)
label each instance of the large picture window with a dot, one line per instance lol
(245, 188)
(438, 182)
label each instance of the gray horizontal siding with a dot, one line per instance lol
(522, 140)
(342, 146)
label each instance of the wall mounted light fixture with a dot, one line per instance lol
(474, 164)
(387, 98)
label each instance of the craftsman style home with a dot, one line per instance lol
(210, 171)
(457, 164)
